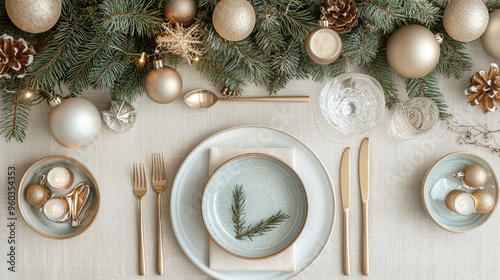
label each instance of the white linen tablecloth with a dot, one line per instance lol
(404, 242)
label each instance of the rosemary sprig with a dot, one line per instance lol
(252, 230)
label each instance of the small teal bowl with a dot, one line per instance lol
(437, 209)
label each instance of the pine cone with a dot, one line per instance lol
(485, 89)
(342, 15)
(15, 56)
(229, 93)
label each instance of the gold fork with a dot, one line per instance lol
(140, 190)
(159, 182)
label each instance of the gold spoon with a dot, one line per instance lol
(203, 99)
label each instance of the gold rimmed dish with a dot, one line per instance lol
(438, 182)
(270, 185)
(35, 217)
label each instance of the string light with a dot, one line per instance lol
(29, 94)
(196, 59)
(143, 58)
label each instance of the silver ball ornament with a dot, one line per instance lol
(75, 123)
(412, 51)
(234, 20)
(180, 11)
(491, 37)
(33, 16)
(465, 20)
(163, 84)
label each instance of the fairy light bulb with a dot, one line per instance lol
(143, 58)
(29, 94)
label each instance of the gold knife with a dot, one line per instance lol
(345, 185)
(364, 179)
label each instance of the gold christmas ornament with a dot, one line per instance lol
(485, 201)
(180, 41)
(491, 37)
(180, 11)
(234, 20)
(323, 44)
(465, 20)
(33, 16)
(75, 123)
(474, 176)
(163, 84)
(484, 89)
(37, 194)
(412, 51)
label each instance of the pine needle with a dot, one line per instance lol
(427, 86)
(252, 230)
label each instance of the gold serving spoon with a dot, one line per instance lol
(203, 99)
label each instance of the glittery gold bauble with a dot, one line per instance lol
(475, 176)
(412, 51)
(485, 201)
(491, 37)
(180, 11)
(34, 16)
(163, 84)
(465, 20)
(37, 195)
(234, 20)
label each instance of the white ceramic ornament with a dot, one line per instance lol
(75, 123)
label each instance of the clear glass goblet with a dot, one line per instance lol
(414, 117)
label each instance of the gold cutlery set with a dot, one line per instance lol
(159, 184)
(345, 185)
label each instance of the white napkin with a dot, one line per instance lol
(220, 259)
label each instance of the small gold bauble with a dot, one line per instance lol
(33, 16)
(485, 201)
(491, 37)
(180, 11)
(474, 176)
(465, 20)
(163, 84)
(234, 20)
(37, 194)
(323, 44)
(412, 51)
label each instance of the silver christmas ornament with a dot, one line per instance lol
(75, 123)
(120, 115)
(163, 84)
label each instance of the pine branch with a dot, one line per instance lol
(423, 12)
(360, 46)
(383, 15)
(238, 209)
(454, 60)
(285, 66)
(263, 226)
(427, 86)
(492, 5)
(14, 116)
(252, 230)
(136, 18)
(380, 70)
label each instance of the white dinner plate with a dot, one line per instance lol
(190, 181)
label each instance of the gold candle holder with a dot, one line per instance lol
(461, 202)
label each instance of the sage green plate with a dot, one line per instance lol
(269, 185)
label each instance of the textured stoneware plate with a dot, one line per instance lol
(436, 208)
(269, 185)
(34, 215)
(190, 181)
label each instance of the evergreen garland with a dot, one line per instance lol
(95, 42)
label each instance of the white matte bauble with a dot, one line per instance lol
(491, 37)
(465, 20)
(75, 123)
(234, 20)
(163, 84)
(412, 51)
(33, 16)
